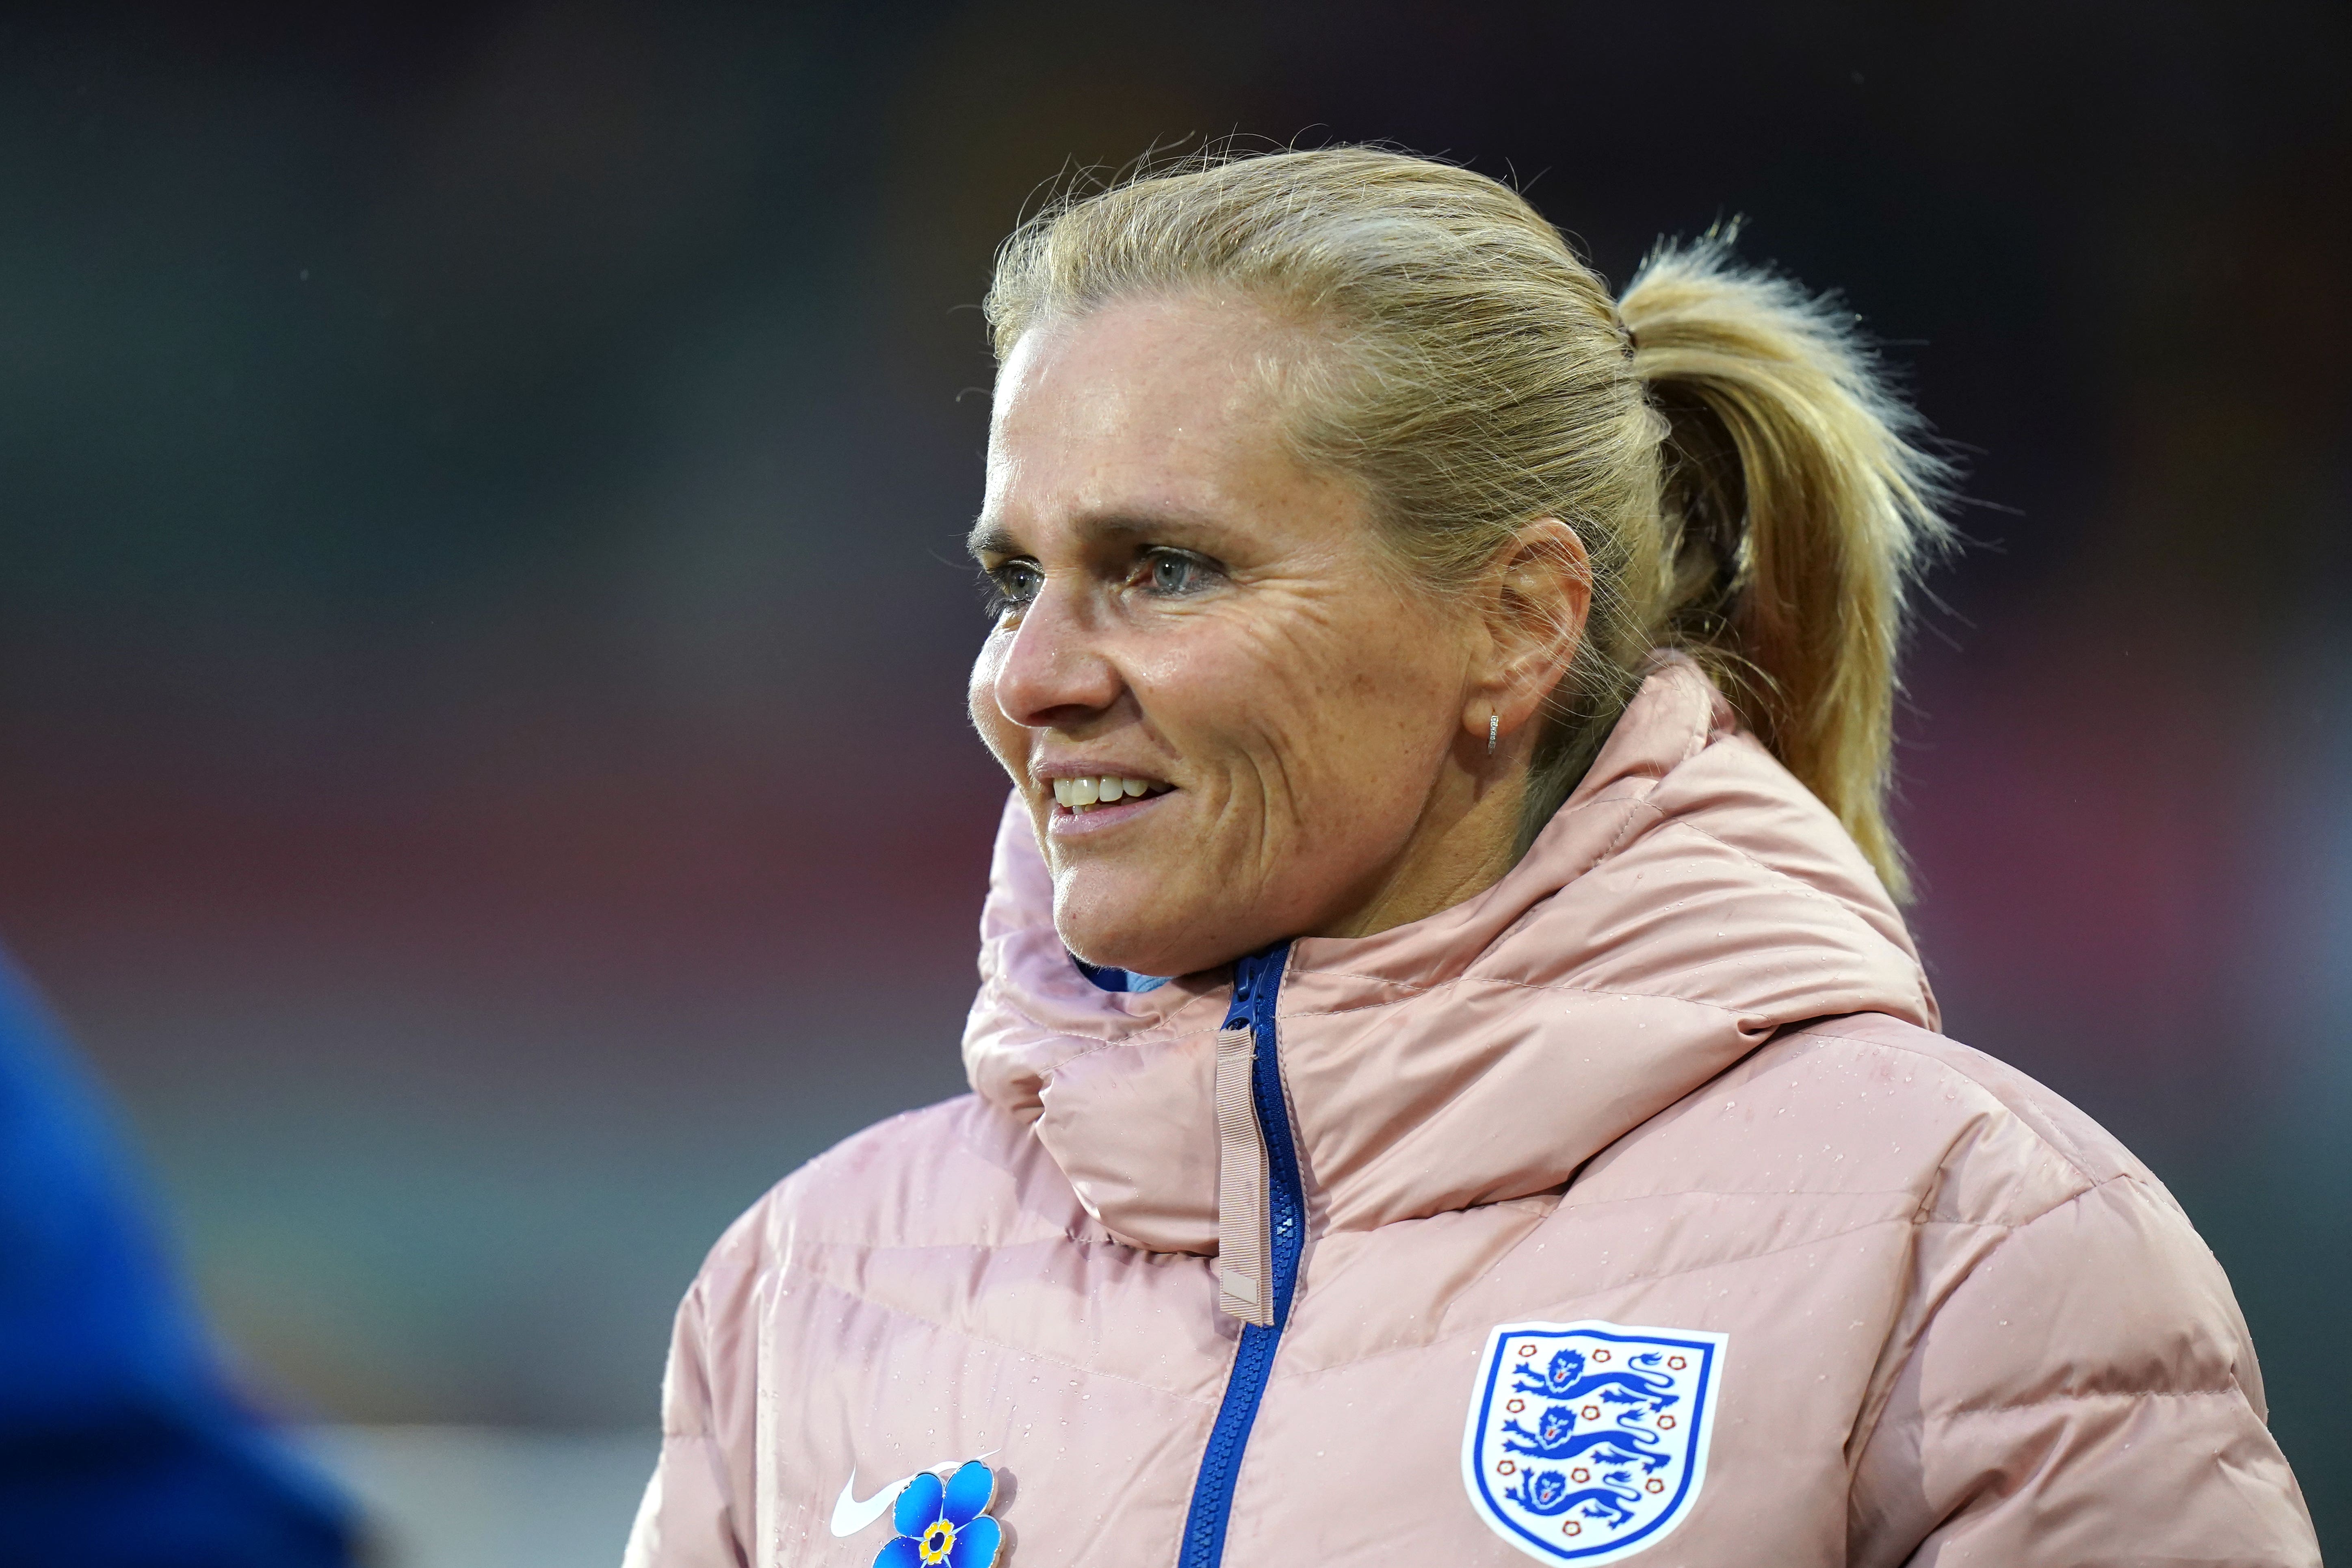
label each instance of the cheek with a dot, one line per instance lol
(1227, 698)
(1315, 718)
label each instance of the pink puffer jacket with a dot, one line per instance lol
(1630, 1210)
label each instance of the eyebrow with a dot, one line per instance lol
(989, 538)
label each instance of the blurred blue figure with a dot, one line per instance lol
(120, 1442)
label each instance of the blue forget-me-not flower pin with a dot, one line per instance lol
(945, 1521)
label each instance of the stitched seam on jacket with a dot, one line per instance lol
(1792, 883)
(2091, 1181)
(2008, 1232)
(1419, 991)
(1921, 1219)
(2077, 1397)
(974, 1335)
(1161, 1030)
(1565, 1206)
(1152, 1036)
(1625, 831)
(698, 1298)
(1782, 879)
(1619, 1284)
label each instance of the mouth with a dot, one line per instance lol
(1090, 793)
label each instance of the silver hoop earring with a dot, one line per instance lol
(1494, 728)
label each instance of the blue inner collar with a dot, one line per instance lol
(1111, 979)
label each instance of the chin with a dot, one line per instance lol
(1111, 930)
(1116, 919)
(1138, 952)
(1141, 949)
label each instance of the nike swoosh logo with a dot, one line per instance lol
(850, 1516)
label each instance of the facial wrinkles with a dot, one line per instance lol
(1288, 823)
(1245, 808)
(1291, 761)
(1307, 754)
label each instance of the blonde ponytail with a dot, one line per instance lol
(1743, 481)
(1796, 509)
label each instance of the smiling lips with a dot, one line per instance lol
(1081, 795)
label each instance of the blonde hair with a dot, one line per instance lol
(1743, 480)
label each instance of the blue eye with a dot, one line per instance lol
(1172, 572)
(1011, 586)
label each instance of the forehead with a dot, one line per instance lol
(1144, 403)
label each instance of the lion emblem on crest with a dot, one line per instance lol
(1587, 1442)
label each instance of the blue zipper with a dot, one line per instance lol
(1257, 982)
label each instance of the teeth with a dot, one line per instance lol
(1084, 794)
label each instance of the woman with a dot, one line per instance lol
(1475, 694)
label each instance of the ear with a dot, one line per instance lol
(1536, 595)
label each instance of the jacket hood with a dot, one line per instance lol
(1690, 898)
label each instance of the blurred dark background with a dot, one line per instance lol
(482, 630)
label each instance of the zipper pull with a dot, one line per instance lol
(1245, 1246)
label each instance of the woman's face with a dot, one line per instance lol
(1186, 604)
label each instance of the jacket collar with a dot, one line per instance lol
(1689, 899)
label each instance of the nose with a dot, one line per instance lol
(1054, 674)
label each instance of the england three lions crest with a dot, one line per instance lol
(1587, 1441)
